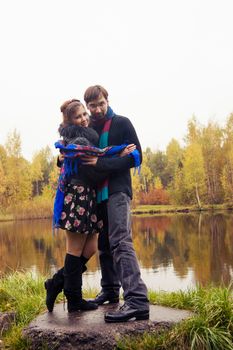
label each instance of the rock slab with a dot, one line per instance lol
(6, 320)
(87, 330)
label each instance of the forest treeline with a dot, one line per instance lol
(200, 171)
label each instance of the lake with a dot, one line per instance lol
(175, 251)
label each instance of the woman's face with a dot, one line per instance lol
(80, 117)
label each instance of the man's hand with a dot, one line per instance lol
(89, 160)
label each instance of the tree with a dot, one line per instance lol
(37, 174)
(174, 155)
(42, 166)
(227, 173)
(3, 159)
(157, 162)
(49, 190)
(146, 175)
(13, 144)
(194, 173)
(136, 187)
(176, 188)
(211, 141)
(194, 131)
(17, 172)
(158, 183)
(2, 184)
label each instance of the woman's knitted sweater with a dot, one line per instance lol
(84, 136)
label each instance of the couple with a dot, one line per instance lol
(108, 169)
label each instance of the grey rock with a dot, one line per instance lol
(6, 320)
(87, 330)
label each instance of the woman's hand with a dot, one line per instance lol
(128, 149)
(61, 157)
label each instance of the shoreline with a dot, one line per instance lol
(139, 210)
(161, 209)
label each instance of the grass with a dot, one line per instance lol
(211, 327)
(6, 217)
(37, 208)
(25, 295)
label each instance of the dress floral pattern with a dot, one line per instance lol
(80, 210)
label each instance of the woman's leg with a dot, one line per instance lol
(75, 243)
(90, 246)
(89, 249)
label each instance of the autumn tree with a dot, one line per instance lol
(227, 172)
(49, 190)
(37, 174)
(211, 141)
(13, 145)
(194, 173)
(41, 167)
(3, 159)
(136, 186)
(146, 175)
(157, 162)
(17, 172)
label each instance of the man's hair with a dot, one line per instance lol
(94, 92)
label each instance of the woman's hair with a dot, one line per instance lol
(79, 135)
(66, 103)
(68, 108)
(94, 92)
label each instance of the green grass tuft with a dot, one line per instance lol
(25, 295)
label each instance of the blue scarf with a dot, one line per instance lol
(70, 165)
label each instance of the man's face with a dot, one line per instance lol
(98, 108)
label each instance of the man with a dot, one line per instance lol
(119, 265)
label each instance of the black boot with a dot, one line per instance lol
(110, 296)
(84, 260)
(53, 287)
(73, 285)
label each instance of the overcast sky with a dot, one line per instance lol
(161, 61)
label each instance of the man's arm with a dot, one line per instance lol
(121, 163)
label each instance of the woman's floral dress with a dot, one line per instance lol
(80, 210)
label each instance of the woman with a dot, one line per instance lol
(79, 215)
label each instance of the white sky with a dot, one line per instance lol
(161, 61)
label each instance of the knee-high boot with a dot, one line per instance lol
(55, 285)
(73, 285)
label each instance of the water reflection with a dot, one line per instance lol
(175, 251)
